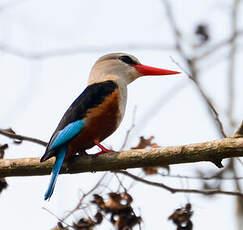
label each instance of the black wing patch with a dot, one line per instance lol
(91, 97)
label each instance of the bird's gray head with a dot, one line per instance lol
(122, 67)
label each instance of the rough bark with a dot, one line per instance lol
(213, 151)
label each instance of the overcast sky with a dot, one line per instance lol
(71, 36)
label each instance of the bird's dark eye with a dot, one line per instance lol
(128, 60)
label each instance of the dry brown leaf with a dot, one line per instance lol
(181, 217)
(144, 143)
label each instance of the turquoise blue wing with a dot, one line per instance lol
(61, 137)
(66, 134)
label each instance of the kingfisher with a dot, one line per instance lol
(98, 111)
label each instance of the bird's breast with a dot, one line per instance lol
(100, 122)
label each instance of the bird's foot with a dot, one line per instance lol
(101, 152)
(103, 149)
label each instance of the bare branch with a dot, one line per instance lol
(213, 151)
(191, 65)
(232, 59)
(10, 134)
(218, 46)
(212, 110)
(79, 50)
(177, 33)
(179, 190)
(83, 197)
(129, 130)
(201, 177)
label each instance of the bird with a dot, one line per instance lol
(98, 110)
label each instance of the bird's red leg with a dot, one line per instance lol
(103, 149)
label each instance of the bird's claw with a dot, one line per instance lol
(101, 152)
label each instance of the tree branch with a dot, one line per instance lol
(213, 151)
(181, 190)
(191, 64)
(216, 47)
(232, 64)
(11, 134)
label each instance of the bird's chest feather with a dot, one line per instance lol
(100, 122)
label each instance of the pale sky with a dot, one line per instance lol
(35, 94)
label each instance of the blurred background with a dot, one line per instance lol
(47, 49)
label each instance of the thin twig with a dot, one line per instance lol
(178, 190)
(53, 214)
(232, 60)
(130, 129)
(120, 183)
(83, 197)
(21, 138)
(218, 46)
(201, 177)
(206, 98)
(192, 66)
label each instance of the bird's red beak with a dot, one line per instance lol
(148, 70)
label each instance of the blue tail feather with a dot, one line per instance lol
(55, 171)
